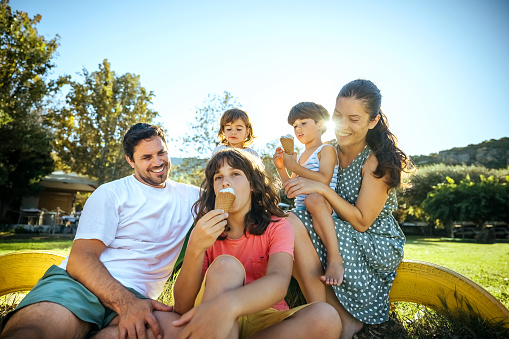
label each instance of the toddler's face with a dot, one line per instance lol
(235, 133)
(306, 130)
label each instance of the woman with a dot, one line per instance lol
(370, 240)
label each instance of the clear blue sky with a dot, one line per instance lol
(442, 65)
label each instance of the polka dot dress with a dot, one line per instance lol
(370, 258)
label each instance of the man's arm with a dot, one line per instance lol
(84, 266)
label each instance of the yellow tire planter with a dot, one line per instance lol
(429, 284)
(20, 271)
(416, 281)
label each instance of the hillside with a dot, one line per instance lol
(490, 154)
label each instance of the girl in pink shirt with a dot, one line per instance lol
(238, 264)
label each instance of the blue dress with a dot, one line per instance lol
(370, 258)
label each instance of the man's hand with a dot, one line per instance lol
(136, 316)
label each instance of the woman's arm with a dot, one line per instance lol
(189, 280)
(328, 159)
(372, 196)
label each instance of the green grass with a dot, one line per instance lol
(9, 242)
(485, 264)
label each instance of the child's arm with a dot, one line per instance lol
(328, 159)
(189, 280)
(278, 162)
(217, 315)
(220, 312)
(266, 291)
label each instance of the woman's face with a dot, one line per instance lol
(228, 176)
(351, 122)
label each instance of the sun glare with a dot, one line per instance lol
(329, 134)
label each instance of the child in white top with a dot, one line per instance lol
(236, 131)
(318, 162)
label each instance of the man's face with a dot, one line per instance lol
(150, 162)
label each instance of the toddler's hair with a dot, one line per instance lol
(230, 116)
(264, 191)
(309, 110)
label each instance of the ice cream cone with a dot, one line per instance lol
(224, 199)
(287, 143)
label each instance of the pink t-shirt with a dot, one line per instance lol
(253, 251)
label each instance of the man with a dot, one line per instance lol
(129, 237)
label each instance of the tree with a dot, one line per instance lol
(191, 171)
(485, 200)
(25, 151)
(422, 182)
(202, 132)
(97, 114)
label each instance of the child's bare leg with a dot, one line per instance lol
(321, 211)
(307, 268)
(226, 273)
(318, 320)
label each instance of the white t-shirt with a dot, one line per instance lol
(247, 149)
(143, 228)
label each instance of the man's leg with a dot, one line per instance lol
(45, 320)
(165, 320)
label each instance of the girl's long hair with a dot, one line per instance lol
(392, 161)
(264, 192)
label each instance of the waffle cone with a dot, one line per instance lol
(224, 200)
(287, 144)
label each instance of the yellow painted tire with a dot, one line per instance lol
(20, 271)
(425, 283)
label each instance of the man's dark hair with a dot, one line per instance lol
(138, 132)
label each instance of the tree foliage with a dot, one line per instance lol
(422, 182)
(25, 151)
(191, 171)
(201, 136)
(97, 114)
(477, 201)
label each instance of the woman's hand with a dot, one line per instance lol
(297, 186)
(207, 229)
(277, 158)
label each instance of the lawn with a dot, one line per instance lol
(10, 242)
(486, 265)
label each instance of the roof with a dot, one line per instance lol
(69, 182)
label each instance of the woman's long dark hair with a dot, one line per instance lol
(392, 161)
(264, 192)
